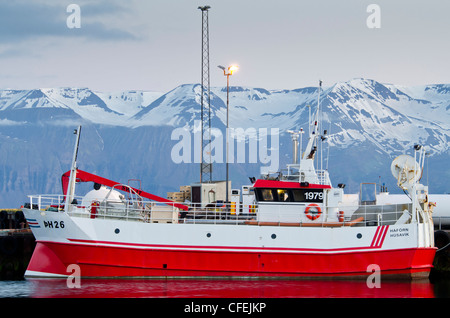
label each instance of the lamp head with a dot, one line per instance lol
(232, 69)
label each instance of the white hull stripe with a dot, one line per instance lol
(30, 274)
(377, 243)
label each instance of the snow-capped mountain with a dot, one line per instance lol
(95, 107)
(357, 110)
(128, 134)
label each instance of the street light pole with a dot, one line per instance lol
(227, 72)
(227, 147)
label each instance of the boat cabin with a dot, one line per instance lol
(298, 202)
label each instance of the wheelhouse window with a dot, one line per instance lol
(283, 195)
(289, 195)
(265, 194)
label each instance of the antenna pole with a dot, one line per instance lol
(318, 123)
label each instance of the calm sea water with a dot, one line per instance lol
(148, 288)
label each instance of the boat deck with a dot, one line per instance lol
(220, 213)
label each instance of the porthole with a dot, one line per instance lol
(117, 231)
(359, 235)
(208, 234)
(273, 236)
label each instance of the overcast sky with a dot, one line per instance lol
(284, 44)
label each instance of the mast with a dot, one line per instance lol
(319, 124)
(311, 148)
(295, 135)
(306, 169)
(73, 172)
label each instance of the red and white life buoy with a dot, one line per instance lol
(313, 211)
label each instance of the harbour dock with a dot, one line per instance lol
(16, 244)
(441, 263)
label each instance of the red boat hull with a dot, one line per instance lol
(125, 260)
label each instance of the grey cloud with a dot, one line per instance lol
(24, 20)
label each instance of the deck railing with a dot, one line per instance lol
(293, 174)
(220, 213)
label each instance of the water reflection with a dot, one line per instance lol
(137, 288)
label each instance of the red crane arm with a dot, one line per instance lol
(83, 176)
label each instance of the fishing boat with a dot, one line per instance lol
(297, 226)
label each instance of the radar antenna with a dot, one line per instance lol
(406, 171)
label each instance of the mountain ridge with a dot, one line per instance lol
(127, 134)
